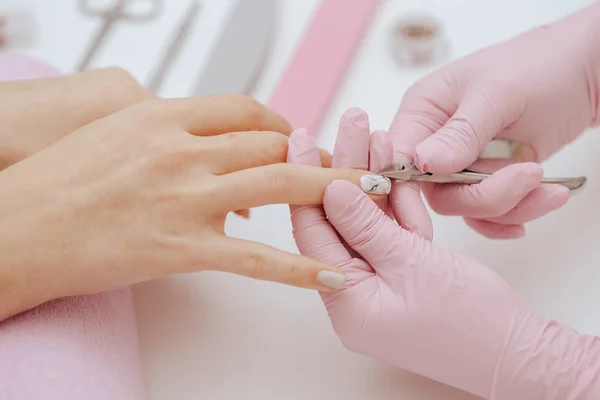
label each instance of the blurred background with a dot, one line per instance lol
(224, 337)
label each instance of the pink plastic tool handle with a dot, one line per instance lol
(314, 74)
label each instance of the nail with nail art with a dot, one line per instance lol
(375, 184)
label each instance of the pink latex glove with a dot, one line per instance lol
(539, 89)
(425, 309)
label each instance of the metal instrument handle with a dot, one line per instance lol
(470, 177)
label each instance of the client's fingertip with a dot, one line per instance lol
(375, 184)
(331, 280)
(326, 158)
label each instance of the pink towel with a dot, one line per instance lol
(78, 348)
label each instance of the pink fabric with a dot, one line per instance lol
(79, 348)
(426, 309)
(15, 67)
(325, 52)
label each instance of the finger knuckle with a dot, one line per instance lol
(123, 83)
(118, 74)
(254, 111)
(148, 112)
(257, 265)
(463, 131)
(243, 100)
(415, 90)
(277, 142)
(276, 176)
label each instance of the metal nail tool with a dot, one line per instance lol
(409, 172)
(240, 53)
(127, 10)
(174, 47)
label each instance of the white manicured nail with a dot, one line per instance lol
(375, 184)
(331, 279)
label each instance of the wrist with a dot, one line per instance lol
(15, 297)
(543, 359)
(24, 281)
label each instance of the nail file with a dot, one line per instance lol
(239, 56)
(311, 79)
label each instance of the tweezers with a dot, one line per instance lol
(408, 172)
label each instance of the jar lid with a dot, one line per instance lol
(417, 40)
(18, 30)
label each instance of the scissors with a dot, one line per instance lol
(409, 172)
(128, 10)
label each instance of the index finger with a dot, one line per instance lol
(416, 119)
(289, 184)
(214, 115)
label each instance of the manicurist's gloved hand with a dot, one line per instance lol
(426, 309)
(539, 89)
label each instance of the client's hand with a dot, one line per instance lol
(36, 113)
(426, 309)
(145, 192)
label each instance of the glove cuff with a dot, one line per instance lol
(543, 359)
(582, 31)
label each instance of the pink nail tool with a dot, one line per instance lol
(316, 70)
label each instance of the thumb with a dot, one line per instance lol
(367, 229)
(481, 115)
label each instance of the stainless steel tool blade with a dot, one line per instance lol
(240, 53)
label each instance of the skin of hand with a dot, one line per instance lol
(144, 193)
(36, 113)
(539, 89)
(428, 310)
(29, 110)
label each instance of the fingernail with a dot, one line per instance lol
(357, 117)
(421, 163)
(331, 279)
(375, 184)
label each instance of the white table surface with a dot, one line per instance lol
(221, 337)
